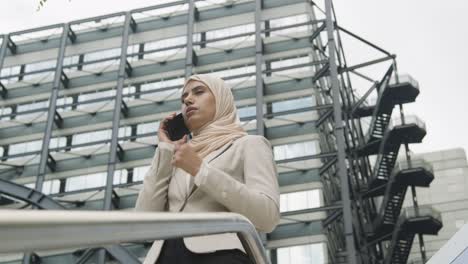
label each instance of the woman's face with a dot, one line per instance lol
(198, 105)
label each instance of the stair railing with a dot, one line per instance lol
(34, 230)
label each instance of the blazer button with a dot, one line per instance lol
(224, 195)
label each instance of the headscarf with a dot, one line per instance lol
(225, 126)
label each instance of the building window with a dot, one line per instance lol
(300, 200)
(234, 42)
(230, 74)
(58, 142)
(52, 186)
(292, 104)
(294, 150)
(71, 63)
(132, 52)
(287, 21)
(92, 60)
(247, 111)
(88, 100)
(145, 128)
(26, 111)
(277, 65)
(303, 254)
(5, 113)
(160, 50)
(48, 65)
(10, 74)
(162, 12)
(139, 173)
(85, 182)
(48, 187)
(91, 137)
(124, 132)
(25, 147)
(120, 177)
(156, 90)
(129, 90)
(66, 100)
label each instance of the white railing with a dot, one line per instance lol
(404, 78)
(33, 230)
(409, 119)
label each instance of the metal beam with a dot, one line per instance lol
(45, 158)
(28, 195)
(11, 45)
(52, 111)
(3, 50)
(116, 114)
(340, 139)
(123, 70)
(259, 84)
(189, 61)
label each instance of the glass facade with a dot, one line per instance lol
(223, 43)
(303, 254)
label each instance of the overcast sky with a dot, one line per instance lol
(429, 37)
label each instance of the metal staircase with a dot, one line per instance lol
(422, 220)
(418, 174)
(402, 248)
(390, 180)
(389, 147)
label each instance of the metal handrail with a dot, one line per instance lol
(414, 163)
(404, 78)
(409, 119)
(32, 230)
(421, 211)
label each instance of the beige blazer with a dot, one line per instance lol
(239, 177)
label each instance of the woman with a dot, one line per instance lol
(221, 169)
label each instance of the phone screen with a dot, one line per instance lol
(176, 128)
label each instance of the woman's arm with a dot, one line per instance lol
(153, 195)
(257, 198)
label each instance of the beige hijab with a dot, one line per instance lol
(225, 126)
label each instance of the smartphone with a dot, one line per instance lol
(176, 128)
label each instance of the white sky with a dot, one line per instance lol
(430, 39)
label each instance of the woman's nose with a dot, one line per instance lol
(188, 100)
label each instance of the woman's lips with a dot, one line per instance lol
(189, 113)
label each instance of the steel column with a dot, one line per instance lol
(190, 52)
(115, 125)
(50, 120)
(340, 139)
(52, 110)
(116, 114)
(258, 68)
(3, 49)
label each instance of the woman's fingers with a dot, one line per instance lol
(180, 142)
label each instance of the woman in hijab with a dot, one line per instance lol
(221, 169)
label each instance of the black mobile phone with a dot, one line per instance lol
(176, 128)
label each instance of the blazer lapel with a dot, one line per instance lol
(210, 157)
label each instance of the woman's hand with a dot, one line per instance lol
(163, 135)
(185, 157)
